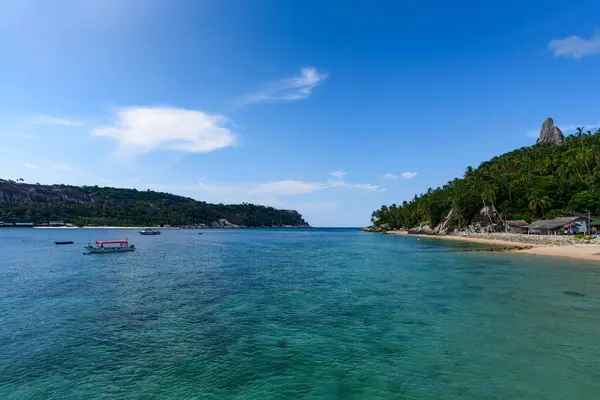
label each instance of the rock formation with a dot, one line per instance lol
(550, 134)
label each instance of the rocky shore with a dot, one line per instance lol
(540, 240)
(541, 245)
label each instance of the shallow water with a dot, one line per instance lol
(258, 314)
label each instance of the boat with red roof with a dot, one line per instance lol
(110, 246)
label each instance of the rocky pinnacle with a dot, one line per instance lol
(550, 134)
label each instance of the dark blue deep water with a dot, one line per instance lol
(281, 314)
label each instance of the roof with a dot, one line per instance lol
(595, 222)
(553, 223)
(517, 222)
(112, 242)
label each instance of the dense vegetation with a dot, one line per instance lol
(93, 205)
(541, 181)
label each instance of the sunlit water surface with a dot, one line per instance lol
(319, 314)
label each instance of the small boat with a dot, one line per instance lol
(67, 242)
(110, 246)
(149, 231)
(200, 233)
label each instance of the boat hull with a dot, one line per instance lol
(149, 233)
(60, 243)
(98, 250)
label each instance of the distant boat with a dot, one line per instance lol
(149, 231)
(199, 233)
(110, 246)
(67, 242)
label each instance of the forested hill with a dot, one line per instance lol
(550, 179)
(105, 206)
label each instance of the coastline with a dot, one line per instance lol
(588, 252)
(162, 228)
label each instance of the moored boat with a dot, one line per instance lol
(110, 246)
(149, 231)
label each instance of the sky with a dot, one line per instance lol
(330, 108)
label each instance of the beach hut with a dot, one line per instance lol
(562, 225)
(516, 226)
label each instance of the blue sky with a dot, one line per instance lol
(329, 108)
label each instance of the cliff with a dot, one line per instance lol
(93, 205)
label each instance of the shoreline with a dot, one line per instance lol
(588, 252)
(158, 227)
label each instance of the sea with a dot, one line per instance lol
(291, 314)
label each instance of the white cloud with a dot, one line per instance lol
(288, 187)
(566, 129)
(362, 186)
(62, 167)
(30, 165)
(338, 174)
(142, 129)
(295, 88)
(575, 46)
(319, 206)
(50, 120)
(403, 175)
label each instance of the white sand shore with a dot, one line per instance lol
(575, 251)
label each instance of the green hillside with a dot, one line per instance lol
(93, 205)
(541, 181)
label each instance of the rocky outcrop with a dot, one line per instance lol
(378, 228)
(443, 227)
(223, 223)
(550, 134)
(21, 193)
(424, 229)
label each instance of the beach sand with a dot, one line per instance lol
(590, 252)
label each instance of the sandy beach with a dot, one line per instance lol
(590, 252)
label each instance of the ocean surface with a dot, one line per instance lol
(281, 314)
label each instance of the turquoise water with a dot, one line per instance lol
(319, 314)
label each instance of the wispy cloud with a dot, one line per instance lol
(62, 167)
(30, 165)
(338, 174)
(566, 129)
(288, 187)
(575, 46)
(290, 89)
(51, 120)
(403, 175)
(143, 129)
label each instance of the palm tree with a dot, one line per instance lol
(539, 202)
(468, 171)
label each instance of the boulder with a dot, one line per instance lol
(550, 134)
(424, 229)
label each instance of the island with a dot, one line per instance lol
(24, 204)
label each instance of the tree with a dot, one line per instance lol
(539, 202)
(525, 183)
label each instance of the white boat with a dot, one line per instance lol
(149, 231)
(110, 246)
